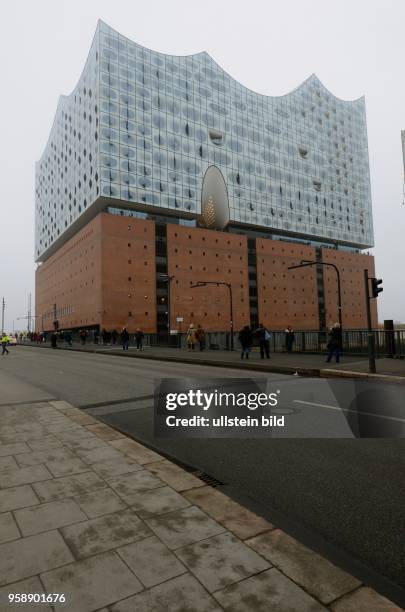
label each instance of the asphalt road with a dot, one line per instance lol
(343, 496)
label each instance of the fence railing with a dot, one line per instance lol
(355, 341)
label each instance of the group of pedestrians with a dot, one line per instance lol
(108, 338)
(125, 338)
(37, 337)
(263, 336)
(195, 337)
(246, 339)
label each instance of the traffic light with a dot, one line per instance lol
(375, 289)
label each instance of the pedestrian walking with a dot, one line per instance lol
(125, 339)
(114, 336)
(289, 338)
(83, 336)
(5, 339)
(54, 340)
(139, 339)
(334, 345)
(200, 337)
(190, 337)
(264, 337)
(246, 341)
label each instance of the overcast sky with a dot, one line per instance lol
(355, 47)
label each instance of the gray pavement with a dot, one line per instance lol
(343, 497)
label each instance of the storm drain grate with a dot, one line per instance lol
(209, 480)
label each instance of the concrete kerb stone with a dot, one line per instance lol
(330, 373)
(165, 523)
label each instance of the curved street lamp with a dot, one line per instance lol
(304, 264)
(218, 283)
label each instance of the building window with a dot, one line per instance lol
(216, 137)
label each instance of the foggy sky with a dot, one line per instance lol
(354, 47)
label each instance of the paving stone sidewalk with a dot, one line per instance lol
(87, 512)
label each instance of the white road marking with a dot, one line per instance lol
(380, 416)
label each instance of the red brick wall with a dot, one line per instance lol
(91, 275)
(128, 273)
(71, 279)
(286, 297)
(351, 267)
(196, 254)
(105, 275)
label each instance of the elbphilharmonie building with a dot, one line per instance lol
(176, 141)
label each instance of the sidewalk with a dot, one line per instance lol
(91, 514)
(305, 364)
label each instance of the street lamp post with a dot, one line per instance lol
(218, 283)
(304, 264)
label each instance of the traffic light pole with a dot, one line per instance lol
(370, 335)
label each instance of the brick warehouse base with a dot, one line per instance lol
(106, 277)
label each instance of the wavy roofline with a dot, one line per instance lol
(204, 52)
(100, 22)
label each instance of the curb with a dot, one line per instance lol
(329, 373)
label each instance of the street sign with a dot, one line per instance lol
(179, 319)
(173, 332)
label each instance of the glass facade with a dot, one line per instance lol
(143, 127)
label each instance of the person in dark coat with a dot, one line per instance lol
(54, 340)
(289, 338)
(263, 335)
(125, 339)
(246, 341)
(200, 337)
(334, 345)
(139, 339)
